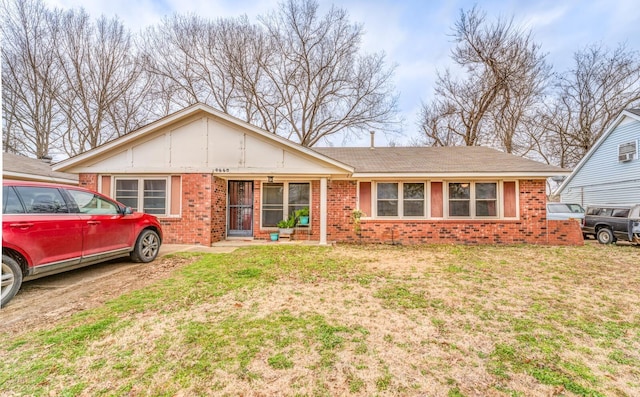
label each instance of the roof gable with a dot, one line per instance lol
(632, 114)
(202, 139)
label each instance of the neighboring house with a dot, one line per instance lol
(24, 168)
(610, 171)
(209, 177)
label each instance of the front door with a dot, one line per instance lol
(240, 212)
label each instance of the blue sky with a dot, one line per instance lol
(414, 34)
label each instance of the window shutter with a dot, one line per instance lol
(436, 200)
(509, 189)
(175, 195)
(106, 185)
(365, 198)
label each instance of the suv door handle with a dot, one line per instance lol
(24, 225)
(93, 222)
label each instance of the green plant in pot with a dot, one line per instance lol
(286, 225)
(302, 215)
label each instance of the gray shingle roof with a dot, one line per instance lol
(634, 111)
(436, 160)
(21, 167)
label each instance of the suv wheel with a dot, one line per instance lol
(11, 279)
(147, 247)
(605, 236)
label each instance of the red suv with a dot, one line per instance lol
(49, 228)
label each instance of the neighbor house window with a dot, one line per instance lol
(148, 195)
(467, 199)
(406, 198)
(279, 200)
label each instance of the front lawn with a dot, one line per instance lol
(354, 320)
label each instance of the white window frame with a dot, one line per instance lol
(140, 198)
(400, 215)
(285, 199)
(472, 200)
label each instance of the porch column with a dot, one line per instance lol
(323, 211)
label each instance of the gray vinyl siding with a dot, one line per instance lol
(605, 180)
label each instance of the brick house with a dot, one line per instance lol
(209, 176)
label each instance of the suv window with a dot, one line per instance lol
(10, 202)
(42, 200)
(89, 203)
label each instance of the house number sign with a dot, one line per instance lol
(221, 170)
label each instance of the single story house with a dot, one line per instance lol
(15, 166)
(209, 177)
(610, 171)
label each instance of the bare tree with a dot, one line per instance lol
(503, 72)
(30, 77)
(298, 74)
(100, 71)
(589, 97)
(326, 85)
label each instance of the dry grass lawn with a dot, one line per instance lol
(354, 320)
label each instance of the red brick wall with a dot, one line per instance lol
(219, 210)
(204, 201)
(89, 181)
(531, 228)
(194, 226)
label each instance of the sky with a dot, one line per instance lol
(415, 34)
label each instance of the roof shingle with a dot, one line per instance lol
(453, 159)
(22, 167)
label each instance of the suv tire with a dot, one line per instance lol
(11, 279)
(147, 247)
(605, 236)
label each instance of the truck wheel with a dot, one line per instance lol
(605, 236)
(11, 279)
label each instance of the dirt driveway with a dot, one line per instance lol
(48, 299)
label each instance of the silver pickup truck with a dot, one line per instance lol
(612, 222)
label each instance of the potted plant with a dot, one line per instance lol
(302, 215)
(286, 225)
(355, 217)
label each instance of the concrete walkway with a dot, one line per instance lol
(226, 246)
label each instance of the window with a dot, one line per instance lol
(10, 202)
(89, 203)
(459, 199)
(620, 213)
(148, 194)
(387, 199)
(298, 197)
(396, 198)
(479, 199)
(272, 204)
(42, 200)
(486, 199)
(413, 199)
(627, 151)
(279, 200)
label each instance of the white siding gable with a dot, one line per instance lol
(205, 143)
(603, 178)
